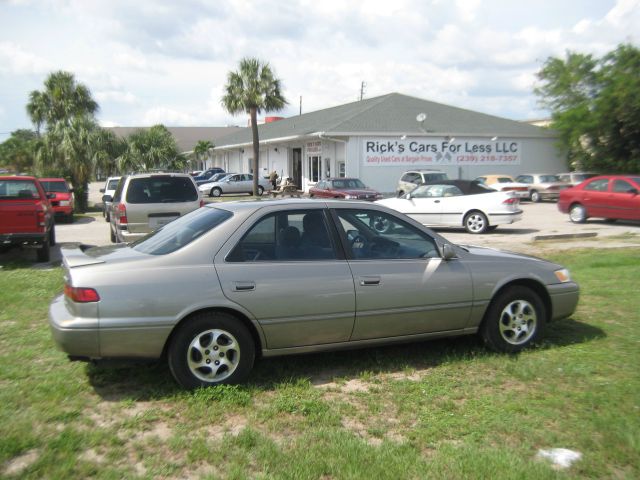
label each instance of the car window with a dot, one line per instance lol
(622, 186)
(286, 236)
(504, 180)
(600, 185)
(161, 189)
(548, 179)
(118, 193)
(51, 186)
(18, 189)
(524, 179)
(410, 177)
(181, 231)
(323, 185)
(434, 177)
(113, 184)
(379, 235)
(481, 180)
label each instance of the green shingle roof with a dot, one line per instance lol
(393, 113)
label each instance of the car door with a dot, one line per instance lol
(624, 201)
(403, 286)
(595, 197)
(300, 291)
(424, 204)
(233, 184)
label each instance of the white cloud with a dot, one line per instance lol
(623, 10)
(169, 117)
(15, 60)
(115, 96)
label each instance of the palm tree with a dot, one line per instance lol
(253, 89)
(61, 100)
(202, 147)
(71, 141)
(151, 148)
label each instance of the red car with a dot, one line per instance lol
(613, 197)
(347, 188)
(62, 200)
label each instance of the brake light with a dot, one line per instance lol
(512, 201)
(122, 213)
(202, 202)
(41, 218)
(81, 294)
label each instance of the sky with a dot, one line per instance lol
(148, 62)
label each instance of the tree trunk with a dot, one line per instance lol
(81, 196)
(256, 149)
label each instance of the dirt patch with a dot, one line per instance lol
(20, 463)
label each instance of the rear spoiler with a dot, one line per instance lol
(73, 255)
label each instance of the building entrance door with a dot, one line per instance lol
(296, 167)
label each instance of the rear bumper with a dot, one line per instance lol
(23, 239)
(76, 336)
(506, 218)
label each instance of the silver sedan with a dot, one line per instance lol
(230, 282)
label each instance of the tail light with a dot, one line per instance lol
(511, 201)
(40, 217)
(122, 214)
(81, 294)
(202, 202)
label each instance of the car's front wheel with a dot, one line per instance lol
(535, 196)
(515, 319)
(476, 222)
(211, 349)
(215, 192)
(577, 213)
(260, 190)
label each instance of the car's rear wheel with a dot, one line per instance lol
(476, 222)
(211, 349)
(43, 254)
(215, 192)
(577, 213)
(260, 190)
(515, 319)
(52, 235)
(535, 196)
(113, 236)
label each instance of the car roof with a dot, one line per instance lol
(17, 177)
(53, 179)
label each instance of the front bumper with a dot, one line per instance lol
(564, 299)
(74, 335)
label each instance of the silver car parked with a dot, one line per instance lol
(144, 202)
(234, 183)
(231, 282)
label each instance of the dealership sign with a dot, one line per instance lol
(384, 152)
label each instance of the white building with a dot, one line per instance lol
(378, 139)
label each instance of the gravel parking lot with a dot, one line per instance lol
(538, 229)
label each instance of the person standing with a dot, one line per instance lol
(273, 178)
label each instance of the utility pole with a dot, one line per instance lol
(300, 104)
(362, 85)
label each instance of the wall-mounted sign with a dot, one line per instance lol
(385, 152)
(314, 148)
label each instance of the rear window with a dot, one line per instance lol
(51, 186)
(181, 231)
(161, 189)
(113, 184)
(10, 189)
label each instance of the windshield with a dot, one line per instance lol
(18, 189)
(113, 184)
(348, 183)
(54, 186)
(505, 180)
(181, 231)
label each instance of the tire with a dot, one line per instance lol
(43, 254)
(260, 190)
(215, 192)
(515, 319)
(193, 363)
(535, 196)
(577, 213)
(476, 222)
(112, 236)
(107, 217)
(491, 228)
(52, 236)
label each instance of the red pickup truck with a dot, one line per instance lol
(26, 216)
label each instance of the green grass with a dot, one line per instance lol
(439, 409)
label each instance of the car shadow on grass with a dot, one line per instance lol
(141, 381)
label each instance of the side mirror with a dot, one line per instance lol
(107, 198)
(633, 191)
(448, 252)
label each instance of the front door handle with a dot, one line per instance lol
(244, 286)
(369, 281)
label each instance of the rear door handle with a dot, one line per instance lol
(369, 281)
(244, 286)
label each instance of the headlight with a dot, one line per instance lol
(563, 275)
